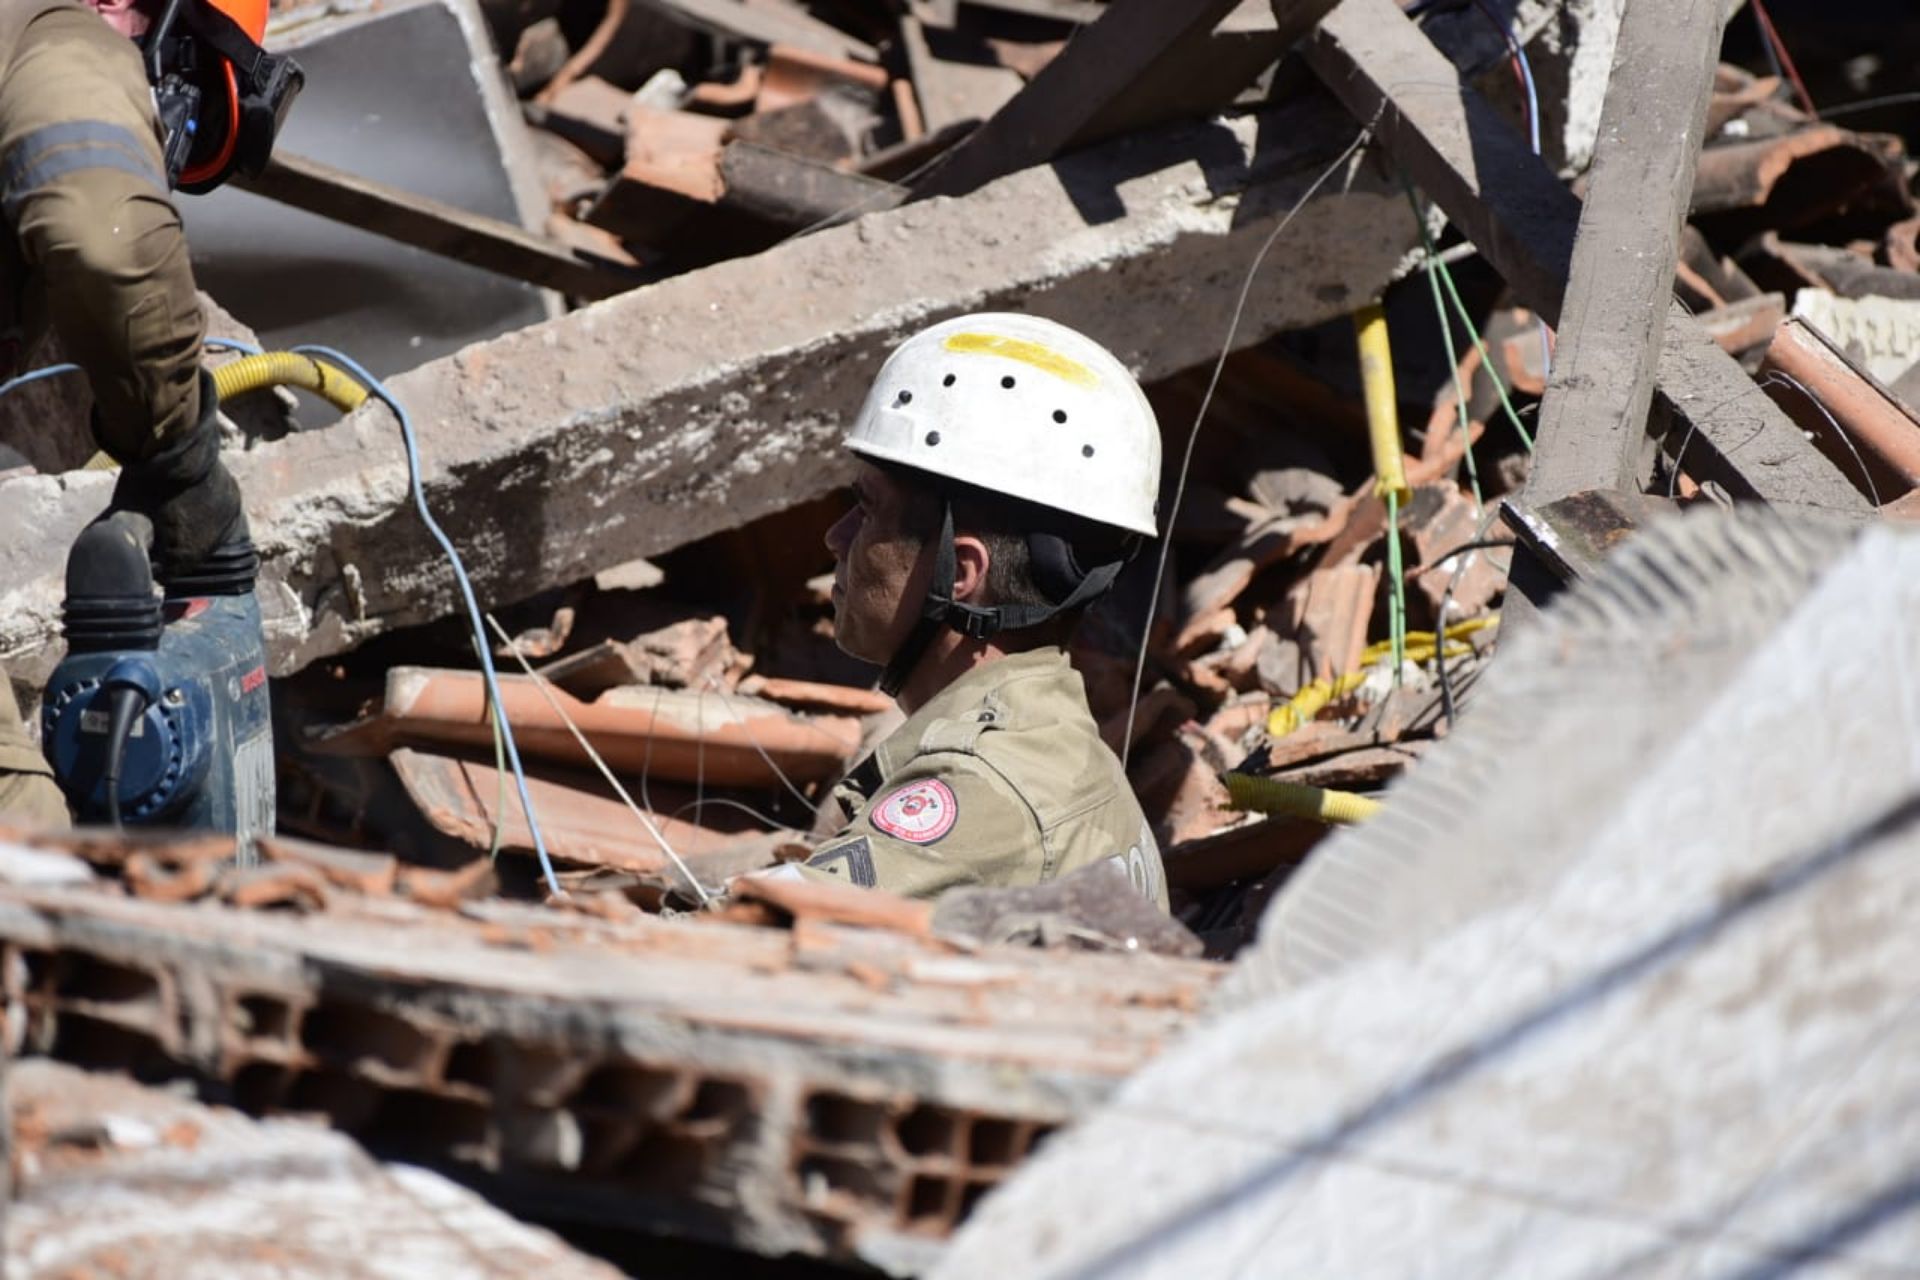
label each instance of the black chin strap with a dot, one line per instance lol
(1054, 566)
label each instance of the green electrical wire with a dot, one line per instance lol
(1453, 355)
(1486, 357)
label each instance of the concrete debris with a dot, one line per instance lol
(114, 1178)
(1628, 268)
(831, 1089)
(702, 406)
(1880, 334)
(1413, 1068)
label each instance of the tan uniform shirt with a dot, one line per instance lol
(1001, 779)
(94, 251)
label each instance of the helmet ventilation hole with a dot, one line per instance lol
(947, 381)
(1007, 382)
(1060, 415)
(933, 437)
(1086, 451)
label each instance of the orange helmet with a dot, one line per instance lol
(222, 97)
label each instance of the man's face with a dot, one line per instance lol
(878, 577)
(122, 16)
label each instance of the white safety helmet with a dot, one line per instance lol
(1023, 407)
(1020, 406)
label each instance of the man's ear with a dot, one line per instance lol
(970, 561)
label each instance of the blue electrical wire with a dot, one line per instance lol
(1505, 27)
(379, 389)
(13, 384)
(1533, 132)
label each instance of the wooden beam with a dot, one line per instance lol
(1593, 417)
(1198, 77)
(1099, 66)
(487, 243)
(1524, 220)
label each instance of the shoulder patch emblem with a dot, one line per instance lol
(919, 813)
(854, 860)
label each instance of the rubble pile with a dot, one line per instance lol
(709, 221)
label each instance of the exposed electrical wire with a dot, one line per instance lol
(714, 684)
(1868, 104)
(1397, 588)
(1779, 377)
(1486, 356)
(1771, 35)
(1432, 265)
(496, 716)
(1193, 433)
(1530, 108)
(52, 370)
(417, 485)
(766, 820)
(542, 684)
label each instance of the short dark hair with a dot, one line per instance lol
(1005, 525)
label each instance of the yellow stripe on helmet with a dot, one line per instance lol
(1040, 357)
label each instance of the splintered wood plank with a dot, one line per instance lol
(487, 243)
(1101, 66)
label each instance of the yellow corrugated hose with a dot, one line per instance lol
(1297, 800)
(1422, 646)
(288, 368)
(273, 369)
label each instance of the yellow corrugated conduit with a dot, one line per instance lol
(1297, 800)
(272, 369)
(1421, 646)
(289, 369)
(1318, 804)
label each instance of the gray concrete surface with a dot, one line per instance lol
(1685, 1046)
(651, 419)
(118, 1179)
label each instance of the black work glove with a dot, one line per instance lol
(188, 494)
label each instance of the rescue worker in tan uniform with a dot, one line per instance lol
(93, 251)
(1007, 469)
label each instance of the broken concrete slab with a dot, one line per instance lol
(652, 419)
(116, 1178)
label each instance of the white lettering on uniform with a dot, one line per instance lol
(1141, 868)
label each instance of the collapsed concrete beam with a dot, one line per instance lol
(651, 419)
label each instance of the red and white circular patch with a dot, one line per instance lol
(919, 813)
